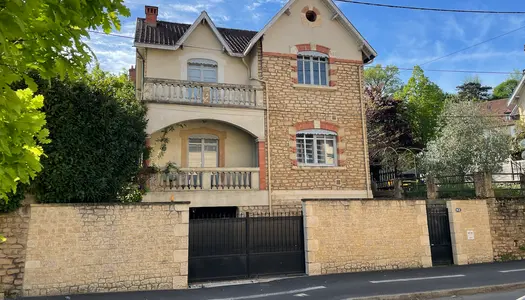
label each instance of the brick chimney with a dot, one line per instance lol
(151, 15)
(133, 74)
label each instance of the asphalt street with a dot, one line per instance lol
(345, 286)
(512, 295)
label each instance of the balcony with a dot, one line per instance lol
(206, 179)
(208, 187)
(201, 93)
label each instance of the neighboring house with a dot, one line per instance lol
(502, 107)
(516, 102)
(262, 119)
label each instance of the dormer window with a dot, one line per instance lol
(312, 68)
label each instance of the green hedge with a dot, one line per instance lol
(97, 132)
(14, 200)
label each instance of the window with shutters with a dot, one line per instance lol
(312, 68)
(203, 151)
(202, 70)
(316, 147)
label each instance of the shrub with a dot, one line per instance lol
(97, 128)
(14, 201)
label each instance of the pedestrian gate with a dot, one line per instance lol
(439, 232)
(222, 248)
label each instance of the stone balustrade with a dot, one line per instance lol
(206, 179)
(212, 94)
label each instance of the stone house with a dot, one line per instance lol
(257, 120)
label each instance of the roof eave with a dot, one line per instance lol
(517, 90)
(156, 46)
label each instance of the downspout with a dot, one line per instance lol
(269, 184)
(365, 139)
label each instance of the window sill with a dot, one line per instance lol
(319, 168)
(315, 87)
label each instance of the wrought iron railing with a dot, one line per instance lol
(189, 92)
(508, 185)
(456, 186)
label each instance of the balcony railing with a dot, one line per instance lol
(189, 92)
(206, 179)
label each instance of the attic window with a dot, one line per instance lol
(311, 16)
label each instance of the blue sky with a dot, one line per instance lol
(401, 37)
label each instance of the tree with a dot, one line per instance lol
(382, 81)
(98, 130)
(424, 100)
(505, 89)
(469, 141)
(387, 128)
(473, 91)
(47, 37)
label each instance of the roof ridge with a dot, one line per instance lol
(178, 23)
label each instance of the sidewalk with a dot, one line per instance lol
(342, 286)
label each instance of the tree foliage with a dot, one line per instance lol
(47, 37)
(98, 131)
(381, 81)
(505, 89)
(473, 91)
(424, 100)
(474, 142)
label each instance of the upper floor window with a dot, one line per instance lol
(312, 68)
(204, 70)
(316, 147)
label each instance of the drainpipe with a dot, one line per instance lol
(269, 183)
(365, 142)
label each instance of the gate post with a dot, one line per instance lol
(483, 185)
(432, 193)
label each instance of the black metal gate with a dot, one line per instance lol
(245, 247)
(439, 232)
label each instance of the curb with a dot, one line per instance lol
(447, 293)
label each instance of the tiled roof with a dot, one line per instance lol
(499, 107)
(168, 33)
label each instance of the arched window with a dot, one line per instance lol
(316, 147)
(204, 70)
(203, 151)
(312, 68)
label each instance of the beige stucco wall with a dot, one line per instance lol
(293, 29)
(162, 115)
(470, 216)
(365, 235)
(104, 248)
(202, 43)
(211, 198)
(239, 146)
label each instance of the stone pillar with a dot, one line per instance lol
(206, 94)
(432, 192)
(483, 185)
(262, 163)
(398, 189)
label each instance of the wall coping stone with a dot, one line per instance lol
(360, 199)
(109, 204)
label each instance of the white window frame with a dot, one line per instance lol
(202, 138)
(310, 57)
(318, 135)
(202, 64)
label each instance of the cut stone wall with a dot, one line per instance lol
(365, 235)
(14, 227)
(507, 224)
(338, 107)
(106, 248)
(276, 209)
(470, 231)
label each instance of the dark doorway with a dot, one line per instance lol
(213, 212)
(439, 233)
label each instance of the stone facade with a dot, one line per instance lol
(14, 227)
(265, 209)
(293, 106)
(507, 223)
(106, 248)
(365, 235)
(470, 231)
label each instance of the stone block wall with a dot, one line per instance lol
(14, 227)
(277, 209)
(365, 235)
(470, 231)
(106, 248)
(338, 108)
(507, 224)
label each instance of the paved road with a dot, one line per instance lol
(513, 295)
(341, 286)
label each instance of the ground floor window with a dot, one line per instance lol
(316, 147)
